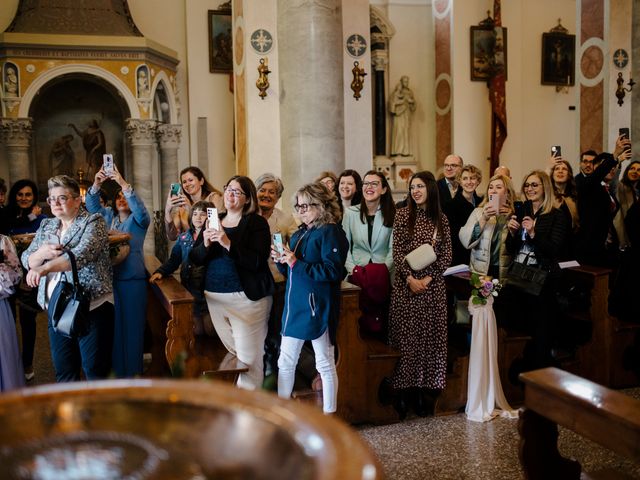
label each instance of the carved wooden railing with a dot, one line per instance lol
(554, 397)
(175, 350)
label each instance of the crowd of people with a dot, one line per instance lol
(265, 299)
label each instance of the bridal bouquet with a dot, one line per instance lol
(483, 288)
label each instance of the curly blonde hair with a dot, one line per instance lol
(325, 200)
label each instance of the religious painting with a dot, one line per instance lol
(488, 52)
(220, 43)
(558, 59)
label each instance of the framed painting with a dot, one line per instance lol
(558, 59)
(220, 43)
(488, 52)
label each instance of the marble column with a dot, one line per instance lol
(142, 135)
(16, 137)
(635, 74)
(168, 140)
(311, 89)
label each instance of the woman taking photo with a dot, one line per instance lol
(565, 191)
(130, 276)
(418, 317)
(459, 209)
(485, 232)
(537, 240)
(238, 285)
(314, 266)
(627, 193)
(24, 215)
(73, 228)
(195, 188)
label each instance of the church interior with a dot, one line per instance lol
(298, 89)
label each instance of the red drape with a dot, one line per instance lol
(498, 100)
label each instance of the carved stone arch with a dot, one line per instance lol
(380, 23)
(74, 69)
(171, 99)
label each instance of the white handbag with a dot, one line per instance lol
(423, 256)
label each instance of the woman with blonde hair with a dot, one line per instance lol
(485, 232)
(313, 263)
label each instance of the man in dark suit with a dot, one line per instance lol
(448, 186)
(586, 165)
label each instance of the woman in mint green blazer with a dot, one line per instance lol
(368, 226)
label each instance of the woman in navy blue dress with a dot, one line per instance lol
(314, 266)
(130, 276)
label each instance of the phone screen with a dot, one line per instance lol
(624, 132)
(556, 151)
(527, 210)
(518, 208)
(496, 201)
(175, 189)
(107, 163)
(277, 243)
(212, 216)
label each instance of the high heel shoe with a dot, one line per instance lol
(420, 405)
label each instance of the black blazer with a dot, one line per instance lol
(250, 250)
(443, 192)
(549, 239)
(457, 212)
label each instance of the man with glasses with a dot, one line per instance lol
(448, 186)
(586, 165)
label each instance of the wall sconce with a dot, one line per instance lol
(358, 80)
(83, 184)
(263, 77)
(620, 91)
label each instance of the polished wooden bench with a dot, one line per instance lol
(554, 397)
(174, 348)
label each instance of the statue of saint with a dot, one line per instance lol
(401, 105)
(62, 156)
(10, 82)
(94, 144)
(143, 83)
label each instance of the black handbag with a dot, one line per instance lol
(526, 278)
(68, 309)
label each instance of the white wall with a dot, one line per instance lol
(618, 32)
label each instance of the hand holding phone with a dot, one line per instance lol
(278, 244)
(212, 218)
(107, 164)
(175, 189)
(52, 238)
(624, 133)
(496, 201)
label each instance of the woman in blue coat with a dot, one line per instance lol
(130, 276)
(314, 266)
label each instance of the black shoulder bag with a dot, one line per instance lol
(526, 278)
(68, 309)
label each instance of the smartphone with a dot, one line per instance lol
(556, 151)
(175, 189)
(107, 163)
(277, 243)
(624, 133)
(212, 217)
(518, 209)
(496, 201)
(527, 209)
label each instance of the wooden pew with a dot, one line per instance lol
(554, 397)
(362, 365)
(175, 350)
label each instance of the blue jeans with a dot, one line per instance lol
(91, 352)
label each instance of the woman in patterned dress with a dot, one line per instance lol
(418, 319)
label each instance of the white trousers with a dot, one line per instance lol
(241, 324)
(325, 364)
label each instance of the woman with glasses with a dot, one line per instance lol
(485, 232)
(195, 188)
(130, 276)
(85, 234)
(418, 316)
(537, 240)
(314, 266)
(368, 228)
(24, 215)
(238, 284)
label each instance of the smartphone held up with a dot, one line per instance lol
(556, 151)
(212, 218)
(107, 164)
(175, 189)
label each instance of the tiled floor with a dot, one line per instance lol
(448, 447)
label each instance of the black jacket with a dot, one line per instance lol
(443, 191)
(457, 212)
(250, 250)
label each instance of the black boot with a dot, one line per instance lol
(400, 403)
(420, 403)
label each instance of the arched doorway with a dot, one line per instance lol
(76, 118)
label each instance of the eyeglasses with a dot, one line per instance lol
(584, 160)
(374, 184)
(303, 207)
(419, 186)
(60, 199)
(233, 192)
(451, 166)
(531, 185)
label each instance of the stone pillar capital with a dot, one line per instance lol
(379, 60)
(16, 132)
(141, 132)
(169, 136)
